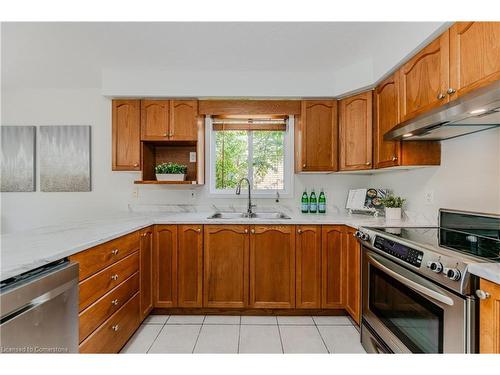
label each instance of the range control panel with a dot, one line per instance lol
(405, 253)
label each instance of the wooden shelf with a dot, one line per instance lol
(166, 182)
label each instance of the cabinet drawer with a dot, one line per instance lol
(112, 335)
(103, 308)
(99, 257)
(102, 282)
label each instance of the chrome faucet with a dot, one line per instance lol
(238, 192)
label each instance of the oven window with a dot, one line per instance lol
(415, 320)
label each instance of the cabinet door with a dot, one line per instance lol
(190, 263)
(226, 254)
(386, 153)
(126, 117)
(352, 275)
(317, 132)
(332, 267)
(154, 120)
(272, 266)
(308, 267)
(183, 120)
(165, 266)
(424, 79)
(474, 56)
(146, 269)
(355, 128)
(489, 318)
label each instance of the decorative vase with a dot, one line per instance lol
(170, 177)
(392, 213)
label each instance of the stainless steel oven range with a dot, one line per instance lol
(417, 295)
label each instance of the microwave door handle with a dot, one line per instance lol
(412, 284)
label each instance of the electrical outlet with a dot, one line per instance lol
(429, 197)
(192, 157)
(135, 192)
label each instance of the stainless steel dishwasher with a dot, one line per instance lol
(39, 310)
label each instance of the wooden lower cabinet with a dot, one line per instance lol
(489, 318)
(189, 265)
(165, 266)
(226, 256)
(352, 274)
(308, 267)
(333, 260)
(146, 266)
(272, 266)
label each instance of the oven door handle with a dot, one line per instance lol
(410, 283)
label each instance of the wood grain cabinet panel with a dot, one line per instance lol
(165, 266)
(183, 120)
(424, 79)
(474, 56)
(126, 124)
(272, 266)
(332, 267)
(316, 137)
(489, 318)
(226, 256)
(190, 265)
(352, 274)
(355, 128)
(155, 116)
(146, 267)
(308, 267)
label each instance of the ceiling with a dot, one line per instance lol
(73, 55)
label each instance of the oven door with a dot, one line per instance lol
(409, 313)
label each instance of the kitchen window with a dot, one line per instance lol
(259, 149)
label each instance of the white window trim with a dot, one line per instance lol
(287, 192)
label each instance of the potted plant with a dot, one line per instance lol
(170, 172)
(392, 206)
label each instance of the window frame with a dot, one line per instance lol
(287, 192)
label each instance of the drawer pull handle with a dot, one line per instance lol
(114, 251)
(115, 328)
(115, 302)
(481, 294)
(114, 277)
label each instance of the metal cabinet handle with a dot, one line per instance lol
(170, 134)
(165, 135)
(303, 165)
(115, 328)
(114, 277)
(394, 158)
(114, 251)
(136, 165)
(252, 231)
(481, 294)
(198, 230)
(451, 91)
(115, 302)
(441, 96)
(299, 231)
(368, 163)
(246, 230)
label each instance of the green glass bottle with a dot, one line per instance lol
(322, 202)
(313, 203)
(304, 203)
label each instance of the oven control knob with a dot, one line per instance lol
(435, 266)
(453, 274)
(362, 236)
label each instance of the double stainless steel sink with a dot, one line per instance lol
(253, 215)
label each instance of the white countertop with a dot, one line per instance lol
(24, 251)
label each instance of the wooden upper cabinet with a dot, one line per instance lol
(146, 268)
(226, 255)
(126, 117)
(332, 267)
(474, 56)
(355, 127)
(352, 274)
(308, 267)
(183, 120)
(424, 79)
(154, 120)
(386, 117)
(272, 266)
(189, 265)
(316, 136)
(489, 318)
(165, 266)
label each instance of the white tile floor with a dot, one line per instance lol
(245, 334)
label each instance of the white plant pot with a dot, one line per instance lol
(392, 213)
(170, 177)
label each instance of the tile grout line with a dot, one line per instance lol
(279, 333)
(197, 337)
(321, 336)
(156, 338)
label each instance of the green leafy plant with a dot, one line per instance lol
(170, 168)
(392, 201)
